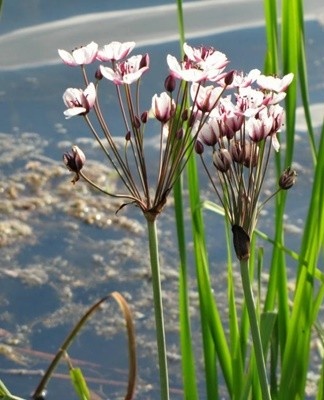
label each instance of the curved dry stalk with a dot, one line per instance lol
(38, 394)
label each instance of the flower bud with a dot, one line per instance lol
(136, 122)
(74, 161)
(222, 160)
(199, 147)
(207, 135)
(163, 107)
(144, 117)
(128, 136)
(287, 178)
(192, 119)
(98, 74)
(170, 83)
(229, 78)
(237, 151)
(251, 155)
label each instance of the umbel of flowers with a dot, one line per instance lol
(241, 130)
(169, 108)
(237, 116)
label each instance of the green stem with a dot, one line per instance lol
(255, 329)
(158, 307)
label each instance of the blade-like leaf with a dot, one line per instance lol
(79, 384)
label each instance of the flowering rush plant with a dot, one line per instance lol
(204, 106)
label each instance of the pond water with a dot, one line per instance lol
(62, 247)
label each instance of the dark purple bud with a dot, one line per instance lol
(192, 119)
(287, 178)
(199, 147)
(170, 83)
(98, 74)
(229, 78)
(136, 122)
(144, 117)
(128, 136)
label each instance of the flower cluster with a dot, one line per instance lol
(241, 130)
(240, 126)
(178, 128)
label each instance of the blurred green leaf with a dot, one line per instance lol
(4, 392)
(79, 384)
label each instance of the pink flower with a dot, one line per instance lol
(267, 123)
(185, 71)
(163, 107)
(207, 59)
(127, 72)
(205, 98)
(230, 118)
(276, 113)
(240, 80)
(209, 133)
(79, 102)
(199, 64)
(83, 55)
(275, 84)
(258, 128)
(249, 101)
(197, 54)
(115, 51)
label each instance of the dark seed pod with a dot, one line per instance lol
(241, 241)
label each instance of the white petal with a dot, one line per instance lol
(66, 57)
(108, 73)
(72, 112)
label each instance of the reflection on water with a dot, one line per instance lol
(63, 247)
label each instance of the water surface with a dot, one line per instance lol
(63, 247)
